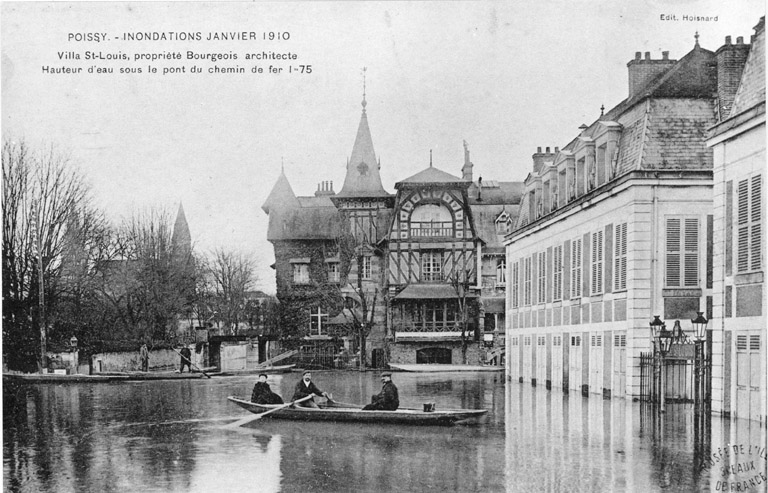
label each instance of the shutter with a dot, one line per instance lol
(608, 262)
(754, 342)
(729, 228)
(742, 260)
(567, 270)
(673, 252)
(691, 252)
(741, 343)
(550, 276)
(585, 265)
(743, 212)
(534, 278)
(756, 233)
(597, 263)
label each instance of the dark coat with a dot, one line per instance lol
(301, 390)
(386, 400)
(262, 394)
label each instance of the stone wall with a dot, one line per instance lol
(159, 359)
(405, 353)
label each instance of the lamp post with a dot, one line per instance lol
(699, 333)
(665, 342)
(657, 324)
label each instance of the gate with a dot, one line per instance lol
(687, 373)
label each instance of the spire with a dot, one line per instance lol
(364, 103)
(281, 196)
(362, 178)
(697, 38)
(430, 158)
(181, 238)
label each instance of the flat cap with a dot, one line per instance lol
(263, 375)
(305, 372)
(386, 374)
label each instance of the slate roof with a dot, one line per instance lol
(281, 196)
(485, 222)
(497, 192)
(304, 223)
(431, 175)
(362, 178)
(751, 90)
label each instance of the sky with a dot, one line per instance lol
(507, 77)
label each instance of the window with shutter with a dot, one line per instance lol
(620, 258)
(682, 252)
(749, 225)
(576, 268)
(515, 285)
(542, 277)
(597, 262)
(557, 266)
(527, 281)
(754, 342)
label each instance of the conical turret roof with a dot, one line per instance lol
(363, 179)
(281, 196)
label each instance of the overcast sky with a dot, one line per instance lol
(504, 76)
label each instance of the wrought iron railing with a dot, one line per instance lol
(428, 327)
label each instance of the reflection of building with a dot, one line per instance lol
(616, 227)
(738, 142)
(417, 254)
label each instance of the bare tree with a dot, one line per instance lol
(460, 282)
(233, 276)
(152, 281)
(42, 193)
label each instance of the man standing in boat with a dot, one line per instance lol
(387, 399)
(262, 394)
(306, 387)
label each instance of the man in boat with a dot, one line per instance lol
(262, 394)
(306, 387)
(387, 399)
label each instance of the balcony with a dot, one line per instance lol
(431, 229)
(429, 331)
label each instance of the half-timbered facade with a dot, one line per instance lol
(423, 275)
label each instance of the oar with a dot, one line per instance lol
(190, 362)
(248, 419)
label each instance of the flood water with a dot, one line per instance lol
(172, 436)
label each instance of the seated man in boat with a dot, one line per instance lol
(387, 399)
(262, 394)
(306, 387)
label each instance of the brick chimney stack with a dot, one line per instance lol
(731, 59)
(641, 71)
(324, 188)
(542, 158)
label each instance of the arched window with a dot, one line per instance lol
(431, 220)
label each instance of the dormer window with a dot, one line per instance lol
(431, 220)
(503, 223)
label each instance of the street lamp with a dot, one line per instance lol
(700, 326)
(665, 343)
(73, 343)
(656, 325)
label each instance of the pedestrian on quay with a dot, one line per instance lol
(387, 399)
(262, 394)
(307, 387)
(144, 357)
(186, 356)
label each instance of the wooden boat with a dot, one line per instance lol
(434, 368)
(339, 411)
(269, 370)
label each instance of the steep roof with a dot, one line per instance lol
(485, 216)
(497, 192)
(281, 196)
(752, 87)
(181, 236)
(431, 175)
(304, 223)
(362, 178)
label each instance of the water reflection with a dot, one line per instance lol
(169, 436)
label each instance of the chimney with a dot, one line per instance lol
(642, 71)
(324, 188)
(466, 170)
(731, 59)
(542, 158)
